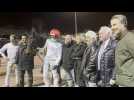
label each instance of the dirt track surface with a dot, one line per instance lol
(37, 75)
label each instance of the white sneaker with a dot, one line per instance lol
(76, 85)
(92, 84)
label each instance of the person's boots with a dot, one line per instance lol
(20, 83)
(30, 82)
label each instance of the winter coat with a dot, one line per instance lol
(107, 64)
(77, 56)
(124, 60)
(67, 62)
(89, 63)
(25, 56)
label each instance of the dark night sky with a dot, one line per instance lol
(15, 19)
(62, 20)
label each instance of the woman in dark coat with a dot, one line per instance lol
(88, 65)
(77, 56)
(88, 76)
(105, 59)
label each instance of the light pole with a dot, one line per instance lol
(76, 27)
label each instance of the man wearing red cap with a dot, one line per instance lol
(53, 50)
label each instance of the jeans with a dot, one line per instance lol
(21, 74)
(9, 68)
(68, 77)
(47, 68)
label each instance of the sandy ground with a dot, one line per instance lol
(37, 75)
(37, 78)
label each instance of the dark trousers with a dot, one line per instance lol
(78, 72)
(102, 83)
(21, 74)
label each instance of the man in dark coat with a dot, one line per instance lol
(67, 61)
(25, 60)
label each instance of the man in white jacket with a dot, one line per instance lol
(12, 49)
(53, 50)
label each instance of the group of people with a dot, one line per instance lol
(19, 56)
(95, 59)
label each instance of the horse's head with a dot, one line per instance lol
(37, 40)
